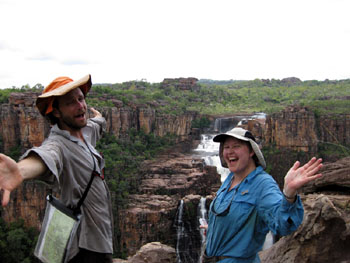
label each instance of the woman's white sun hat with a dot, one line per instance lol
(240, 134)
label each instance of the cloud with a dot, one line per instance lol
(42, 57)
(73, 62)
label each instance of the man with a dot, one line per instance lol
(68, 155)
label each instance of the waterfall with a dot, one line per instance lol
(269, 240)
(217, 125)
(180, 229)
(202, 214)
(209, 151)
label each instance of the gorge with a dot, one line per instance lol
(182, 178)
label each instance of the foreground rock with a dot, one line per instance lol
(154, 252)
(324, 235)
(336, 179)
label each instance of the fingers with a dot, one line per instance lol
(5, 197)
(203, 227)
(2, 157)
(296, 165)
(311, 178)
(313, 166)
(95, 112)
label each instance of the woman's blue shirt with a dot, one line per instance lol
(256, 206)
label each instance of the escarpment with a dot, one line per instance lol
(150, 215)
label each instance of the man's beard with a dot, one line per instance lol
(72, 124)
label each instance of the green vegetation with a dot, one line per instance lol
(17, 242)
(223, 97)
(124, 157)
(123, 162)
(203, 122)
(333, 150)
(5, 93)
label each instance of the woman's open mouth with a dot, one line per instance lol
(232, 160)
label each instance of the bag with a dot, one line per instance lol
(58, 229)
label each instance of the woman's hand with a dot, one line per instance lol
(204, 225)
(299, 176)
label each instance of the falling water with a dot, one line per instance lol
(209, 151)
(180, 229)
(202, 214)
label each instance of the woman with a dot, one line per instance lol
(249, 203)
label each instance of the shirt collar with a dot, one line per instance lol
(250, 176)
(253, 174)
(56, 130)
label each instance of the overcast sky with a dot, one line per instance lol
(117, 41)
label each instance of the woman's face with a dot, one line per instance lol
(238, 156)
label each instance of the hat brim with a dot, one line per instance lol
(84, 84)
(222, 137)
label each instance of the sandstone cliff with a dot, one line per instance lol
(22, 125)
(299, 129)
(293, 128)
(151, 214)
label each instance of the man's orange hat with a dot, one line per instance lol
(59, 87)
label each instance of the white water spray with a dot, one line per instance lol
(209, 151)
(180, 229)
(202, 215)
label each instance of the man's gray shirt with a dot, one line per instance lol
(70, 162)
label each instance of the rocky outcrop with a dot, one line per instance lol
(151, 214)
(181, 83)
(334, 129)
(21, 124)
(336, 179)
(27, 202)
(293, 128)
(298, 128)
(154, 252)
(324, 235)
(178, 174)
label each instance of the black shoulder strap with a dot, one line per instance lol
(93, 174)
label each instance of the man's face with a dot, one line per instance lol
(72, 110)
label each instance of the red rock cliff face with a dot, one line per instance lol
(151, 213)
(293, 128)
(298, 128)
(22, 125)
(334, 129)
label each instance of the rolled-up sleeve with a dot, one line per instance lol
(96, 126)
(281, 216)
(50, 154)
